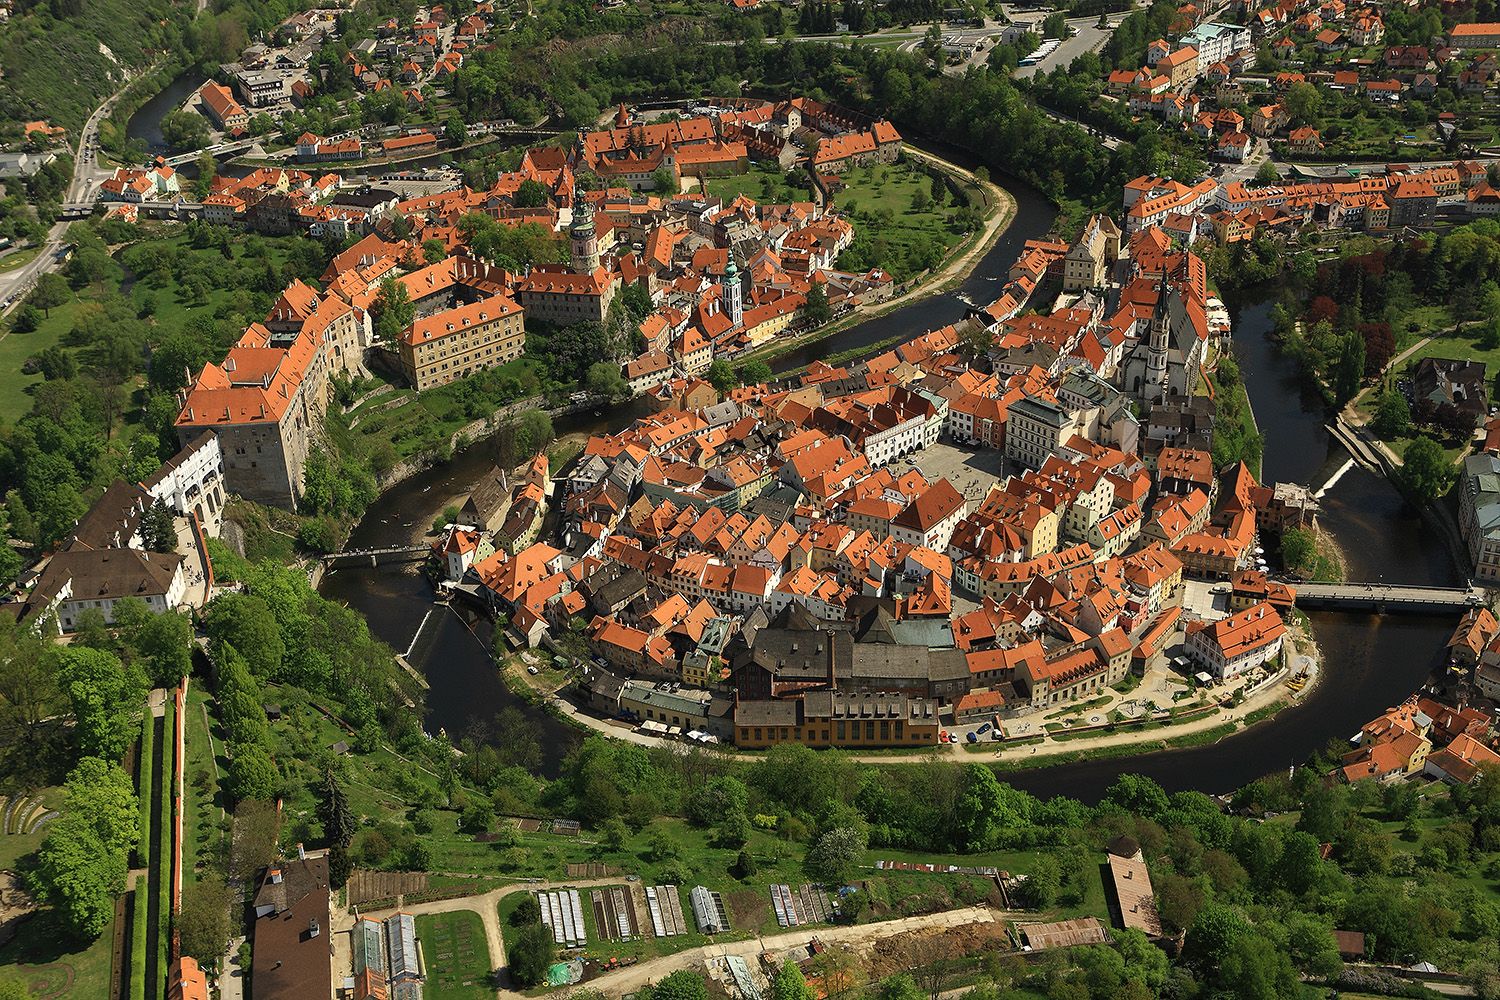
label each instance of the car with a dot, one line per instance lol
(532, 671)
(972, 737)
(943, 737)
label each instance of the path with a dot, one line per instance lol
(631, 978)
(487, 905)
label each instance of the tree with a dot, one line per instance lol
(1350, 372)
(184, 130)
(1138, 795)
(1213, 934)
(28, 318)
(789, 984)
(245, 622)
(531, 194)
(102, 793)
(79, 875)
(1042, 884)
(434, 250)
(157, 529)
(721, 376)
(604, 379)
(816, 307)
(684, 984)
(723, 795)
(1426, 474)
(1144, 962)
(106, 696)
(1304, 103)
(835, 854)
(334, 812)
(454, 130)
(204, 920)
(531, 433)
(252, 775)
(51, 291)
(1267, 173)
(1392, 415)
(392, 310)
(985, 808)
(531, 955)
(665, 181)
(1298, 548)
(756, 373)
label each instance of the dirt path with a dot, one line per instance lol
(634, 977)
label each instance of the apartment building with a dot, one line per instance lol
(460, 341)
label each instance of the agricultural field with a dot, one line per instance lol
(456, 956)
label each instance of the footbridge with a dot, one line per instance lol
(218, 151)
(1384, 598)
(376, 557)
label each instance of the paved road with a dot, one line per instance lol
(87, 175)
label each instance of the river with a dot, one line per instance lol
(145, 124)
(1370, 663)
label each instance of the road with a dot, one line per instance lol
(632, 978)
(87, 175)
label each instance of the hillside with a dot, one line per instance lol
(60, 60)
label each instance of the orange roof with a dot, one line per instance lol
(455, 320)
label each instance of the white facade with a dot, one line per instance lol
(192, 482)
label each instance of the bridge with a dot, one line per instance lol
(1382, 598)
(220, 150)
(377, 557)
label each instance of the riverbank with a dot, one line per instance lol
(1203, 725)
(947, 278)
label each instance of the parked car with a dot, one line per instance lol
(973, 737)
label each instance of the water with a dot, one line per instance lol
(1034, 217)
(1370, 663)
(466, 690)
(145, 124)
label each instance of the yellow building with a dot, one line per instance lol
(460, 341)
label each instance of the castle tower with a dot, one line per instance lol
(734, 306)
(585, 239)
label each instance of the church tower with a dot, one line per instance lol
(585, 239)
(734, 306)
(1156, 355)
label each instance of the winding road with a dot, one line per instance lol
(87, 175)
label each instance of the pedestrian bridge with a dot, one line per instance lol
(376, 557)
(1384, 598)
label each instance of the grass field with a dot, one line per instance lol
(12, 261)
(44, 957)
(878, 199)
(203, 823)
(15, 348)
(456, 956)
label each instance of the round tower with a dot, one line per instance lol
(585, 239)
(734, 306)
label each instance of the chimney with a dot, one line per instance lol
(313, 930)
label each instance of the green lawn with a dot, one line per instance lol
(12, 261)
(455, 955)
(15, 348)
(45, 958)
(203, 821)
(765, 185)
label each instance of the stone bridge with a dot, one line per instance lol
(1387, 598)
